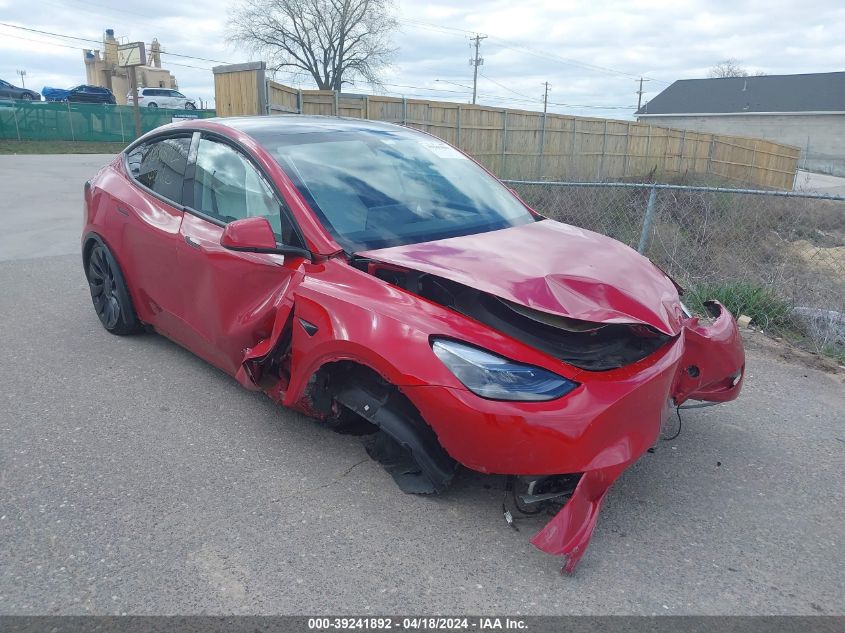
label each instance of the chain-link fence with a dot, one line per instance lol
(65, 121)
(776, 257)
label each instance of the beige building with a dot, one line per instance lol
(102, 70)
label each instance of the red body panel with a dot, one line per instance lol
(233, 307)
(580, 274)
(232, 299)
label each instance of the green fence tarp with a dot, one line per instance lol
(41, 120)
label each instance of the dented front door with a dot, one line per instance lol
(232, 300)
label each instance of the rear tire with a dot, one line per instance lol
(109, 293)
(26, 97)
(190, 106)
(152, 105)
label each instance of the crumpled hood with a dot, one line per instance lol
(553, 267)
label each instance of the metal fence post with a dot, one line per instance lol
(17, 129)
(404, 111)
(603, 150)
(70, 121)
(647, 221)
(122, 135)
(627, 152)
(542, 148)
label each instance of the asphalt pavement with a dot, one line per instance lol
(135, 478)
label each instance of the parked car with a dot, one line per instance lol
(80, 94)
(378, 279)
(162, 98)
(55, 94)
(9, 91)
(90, 94)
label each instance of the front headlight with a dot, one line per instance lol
(497, 378)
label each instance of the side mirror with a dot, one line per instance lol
(255, 235)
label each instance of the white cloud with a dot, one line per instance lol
(568, 40)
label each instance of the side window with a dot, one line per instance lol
(227, 186)
(160, 165)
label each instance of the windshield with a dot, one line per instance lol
(379, 188)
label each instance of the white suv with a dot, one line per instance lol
(162, 98)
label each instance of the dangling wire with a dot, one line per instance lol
(680, 424)
(697, 405)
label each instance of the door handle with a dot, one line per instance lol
(190, 241)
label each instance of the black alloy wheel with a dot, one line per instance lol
(109, 294)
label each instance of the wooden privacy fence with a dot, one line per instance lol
(523, 145)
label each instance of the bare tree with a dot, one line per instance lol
(728, 68)
(334, 41)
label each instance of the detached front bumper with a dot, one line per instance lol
(599, 429)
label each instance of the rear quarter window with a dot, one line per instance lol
(160, 166)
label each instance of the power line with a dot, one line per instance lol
(525, 100)
(88, 39)
(76, 48)
(69, 37)
(501, 85)
(528, 99)
(505, 43)
(566, 60)
(29, 39)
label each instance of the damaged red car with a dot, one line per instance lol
(380, 280)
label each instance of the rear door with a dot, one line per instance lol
(152, 217)
(6, 90)
(177, 99)
(80, 94)
(232, 300)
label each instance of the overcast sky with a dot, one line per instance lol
(590, 51)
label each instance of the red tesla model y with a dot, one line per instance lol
(375, 277)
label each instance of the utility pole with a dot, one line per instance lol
(136, 107)
(22, 73)
(546, 96)
(640, 93)
(475, 63)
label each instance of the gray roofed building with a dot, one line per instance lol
(816, 92)
(807, 111)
